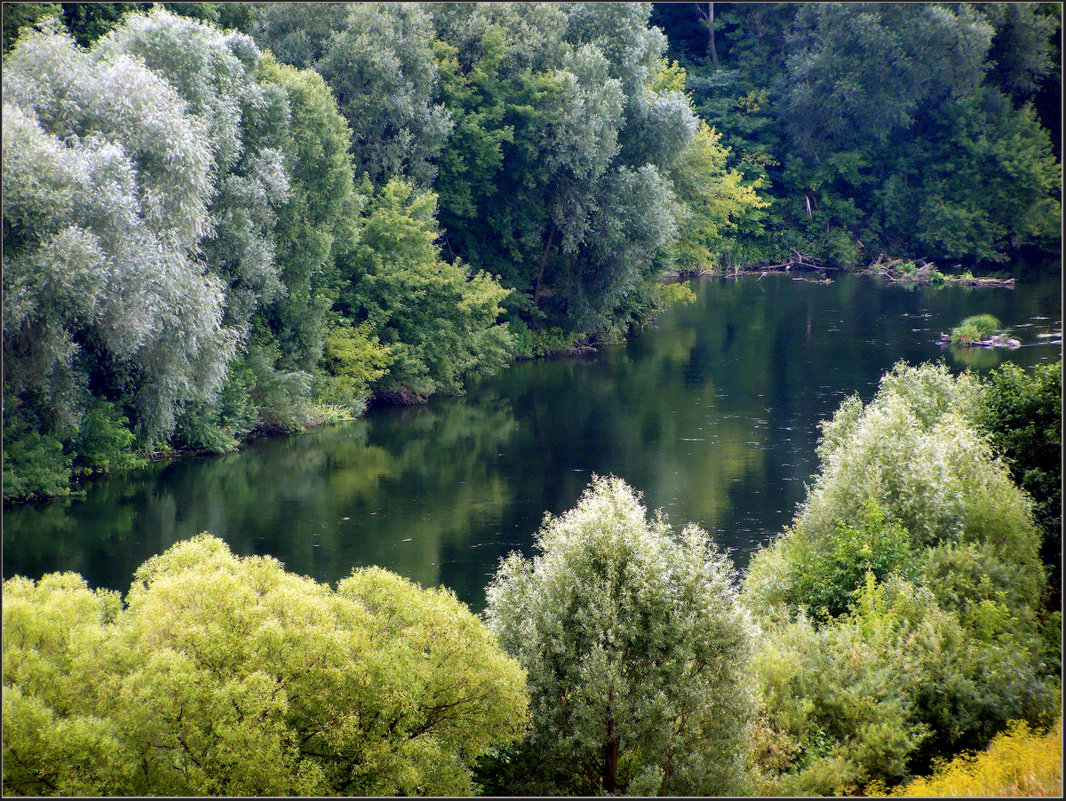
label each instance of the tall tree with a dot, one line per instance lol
(107, 183)
(438, 319)
(378, 60)
(636, 653)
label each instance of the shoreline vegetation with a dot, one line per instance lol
(889, 633)
(331, 414)
(225, 219)
(334, 414)
(918, 272)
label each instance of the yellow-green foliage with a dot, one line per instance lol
(674, 293)
(717, 200)
(353, 359)
(1019, 762)
(230, 676)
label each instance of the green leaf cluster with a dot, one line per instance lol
(636, 653)
(224, 675)
(920, 131)
(902, 612)
(1022, 411)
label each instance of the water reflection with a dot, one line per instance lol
(712, 412)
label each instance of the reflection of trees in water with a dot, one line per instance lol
(287, 496)
(713, 415)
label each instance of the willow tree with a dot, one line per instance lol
(379, 62)
(559, 180)
(911, 506)
(230, 676)
(636, 653)
(107, 183)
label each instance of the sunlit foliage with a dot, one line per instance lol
(1019, 762)
(229, 676)
(903, 608)
(636, 653)
(437, 320)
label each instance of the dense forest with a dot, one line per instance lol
(928, 130)
(223, 220)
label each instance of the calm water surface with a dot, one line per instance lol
(712, 413)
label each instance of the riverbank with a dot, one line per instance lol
(918, 272)
(548, 346)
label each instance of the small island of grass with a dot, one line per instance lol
(980, 330)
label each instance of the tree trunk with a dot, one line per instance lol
(710, 34)
(610, 750)
(543, 262)
(610, 760)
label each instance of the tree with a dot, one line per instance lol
(319, 221)
(107, 182)
(438, 319)
(22, 14)
(716, 202)
(568, 129)
(215, 73)
(229, 676)
(378, 60)
(636, 653)
(914, 451)
(916, 554)
(859, 71)
(896, 119)
(1022, 410)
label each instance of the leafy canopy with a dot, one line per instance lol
(638, 630)
(225, 675)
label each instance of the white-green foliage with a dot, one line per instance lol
(378, 59)
(106, 183)
(214, 72)
(916, 452)
(632, 641)
(939, 647)
(658, 126)
(230, 676)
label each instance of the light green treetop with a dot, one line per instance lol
(635, 650)
(229, 676)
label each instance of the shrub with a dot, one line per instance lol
(1022, 411)
(229, 676)
(35, 466)
(1019, 762)
(835, 707)
(881, 691)
(834, 571)
(975, 329)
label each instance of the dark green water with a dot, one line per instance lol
(712, 413)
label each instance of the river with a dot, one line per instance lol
(712, 412)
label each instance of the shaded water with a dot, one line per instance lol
(712, 413)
